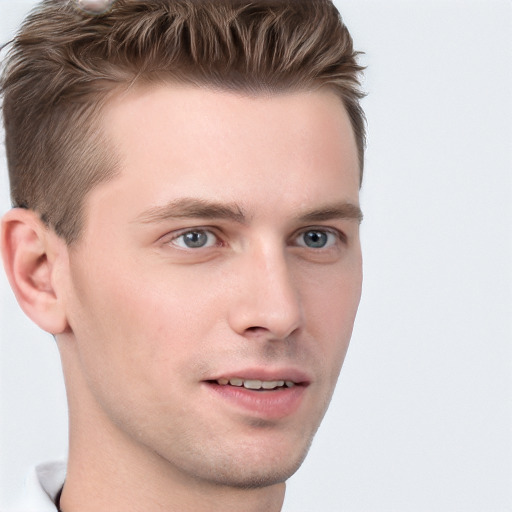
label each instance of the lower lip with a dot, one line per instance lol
(270, 405)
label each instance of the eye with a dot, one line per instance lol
(195, 239)
(316, 239)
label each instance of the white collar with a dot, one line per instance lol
(42, 486)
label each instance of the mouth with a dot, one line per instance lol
(273, 396)
(256, 384)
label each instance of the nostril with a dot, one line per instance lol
(255, 329)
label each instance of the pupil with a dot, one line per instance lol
(195, 239)
(315, 239)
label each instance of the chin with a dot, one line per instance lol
(252, 469)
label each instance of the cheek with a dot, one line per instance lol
(330, 305)
(132, 316)
(134, 336)
(331, 296)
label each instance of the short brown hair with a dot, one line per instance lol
(64, 63)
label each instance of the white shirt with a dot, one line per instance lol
(42, 486)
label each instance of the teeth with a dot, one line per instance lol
(271, 384)
(256, 384)
(252, 384)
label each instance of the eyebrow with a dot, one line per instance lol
(343, 210)
(194, 208)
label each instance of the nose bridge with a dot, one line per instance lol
(268, 299)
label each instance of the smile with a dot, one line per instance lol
(264, 399)
(255, 384)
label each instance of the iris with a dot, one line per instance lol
(315, 239)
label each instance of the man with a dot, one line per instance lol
(185, 179)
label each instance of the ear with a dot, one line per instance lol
(32, 256)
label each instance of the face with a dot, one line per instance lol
(212, 295)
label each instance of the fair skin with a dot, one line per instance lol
(226, 249)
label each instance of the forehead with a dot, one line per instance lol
(183, 141)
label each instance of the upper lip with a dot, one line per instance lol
(266, 374)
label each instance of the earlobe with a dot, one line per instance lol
(32, 255)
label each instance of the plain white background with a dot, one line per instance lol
(422, 416)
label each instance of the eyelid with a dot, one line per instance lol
(171, 237)
(340, 235)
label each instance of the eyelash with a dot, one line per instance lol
(339, 235)
(191, 231)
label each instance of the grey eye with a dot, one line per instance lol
(315, 239)
(196, 239)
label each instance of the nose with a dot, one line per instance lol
(266, 301)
